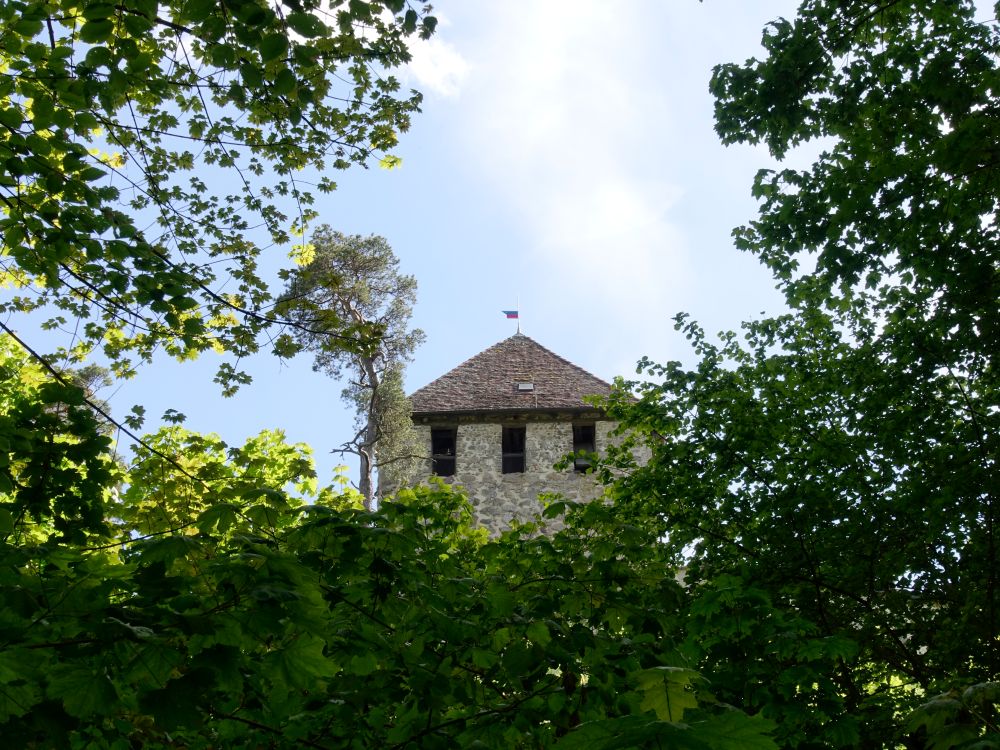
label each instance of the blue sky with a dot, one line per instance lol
(565, 157)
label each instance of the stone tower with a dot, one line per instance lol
(498, 422)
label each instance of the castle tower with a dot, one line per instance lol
(498, 422)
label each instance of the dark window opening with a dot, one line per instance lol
(513, 450)
(583, 441)
(443, 452)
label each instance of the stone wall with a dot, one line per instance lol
(499, 498)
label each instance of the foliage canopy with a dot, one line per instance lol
(201, 595)
(119, 123)
(829, 477)
(207, 605)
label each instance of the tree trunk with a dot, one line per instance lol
(365, 482)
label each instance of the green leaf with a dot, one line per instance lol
(982, 693)
(667, 691)
(252, 14)
(627, 733)
(410, 21)
(219, 517)
(428, 26)
(273, 47)
(305, 24)
(20, 672)
(554, 510)
(251, 74)
(177, 704)
(83, 690)
(363, 664)
(390, 162)
(284, 82)
(11, 117)
(301, 662)
(92, 173)
(98, 11)
(96, 32)
(18, 699)
(538, 633)
(501, 600)
(223, 55)
(166, 549)
(173, 416)
(199, 10)
(263, 516)
(154, 665)
(734, 730)
(27, 27)
(136, 417)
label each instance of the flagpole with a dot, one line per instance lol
(517, 306)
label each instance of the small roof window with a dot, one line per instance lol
(525, 386)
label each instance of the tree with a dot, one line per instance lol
(829, 477)
(194, 598)
(115, 119)
(398, 451)
(353, 283)
(210, 606)
(901, 200)
(56, 468)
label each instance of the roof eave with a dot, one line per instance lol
(572, 410)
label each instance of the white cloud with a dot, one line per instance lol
(436, 65)
(612, 233)
(565, 118)
(575, 165)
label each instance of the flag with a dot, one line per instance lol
(511, 314)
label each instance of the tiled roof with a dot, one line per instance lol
(489, 382)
